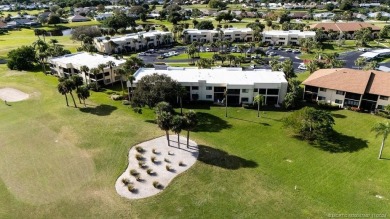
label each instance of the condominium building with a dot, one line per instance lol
(132, 42)
(284, 38)
(67, 65)
(211, 84)
(206, 36)
(368, 90)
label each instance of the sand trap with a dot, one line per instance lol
(12, 95)
(166, 155)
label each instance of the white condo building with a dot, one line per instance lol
(211, 84)
(231, 34)
(284, 38)
(67, 65)
(133, 42)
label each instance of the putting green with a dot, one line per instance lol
(39, 165)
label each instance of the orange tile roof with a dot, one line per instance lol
(351, 80)
(350, 26)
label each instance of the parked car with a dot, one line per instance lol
(280, 48)
(362, 49)
(274, 48)
(208, 50)
(302, 66)
(288, 50)
(233, 50)
(272, 54)
(141, 54)
(296, 51)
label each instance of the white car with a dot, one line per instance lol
(142, 54)
(208, 50)
(362, 49)
(302, 66)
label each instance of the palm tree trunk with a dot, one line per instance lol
(66, 98)
(74, 102)
(258, 109)
(380, 152)
(96, 83)
(123, 91)
(181, 106)
(178, 140)
(188, 138)
(85, 105)
(44, 68)
(112, 80)
(167, 134)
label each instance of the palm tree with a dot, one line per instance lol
(259, 99)
(121, 72)
(190, 122)
(62, 89)
(382, 129)
(312, 66)
(78, 81)
(42, 56)
(181, 92)
(177, 126)
(164, 123)
(131, 79)
(70, 86)
(83, 93)
(360, 62)
(85, 69)
(53, 41)
(95, 72)
(111, 64)
(101, 68)
(231, 57)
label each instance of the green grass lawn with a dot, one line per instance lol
(62, 162)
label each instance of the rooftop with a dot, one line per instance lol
(230, 76)
(342, 26)
(351, 80)
(134, 36)
(282, 32)
(87, 59)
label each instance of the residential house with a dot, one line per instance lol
(133, 42)
(284, 38)
(211, 84)
(367, 90)
(65, 66)
(78, 18)
(231, 34)
(103, 16)
(348, 28)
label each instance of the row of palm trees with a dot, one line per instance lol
(74, 83)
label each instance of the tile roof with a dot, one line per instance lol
(351, 80)
(350, 26)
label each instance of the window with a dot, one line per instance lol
(255, 90)
(195, 88)
(282, 38)
(273, 91)
(294, 38)
(106, 73)
(244, 99)
(244, 90)
(340, 92)
(237, 35)
(267, 38)
(209, 88)
(209, 96)
(338, 101)
(195, 96)
(323, 89)
(262, 91)
(108, 81)
(321, 98)
(384, 97)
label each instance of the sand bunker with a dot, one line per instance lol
(144, 177)
(12, 95)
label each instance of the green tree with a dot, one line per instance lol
(164, 120)
(288, 69)
(95, 72)
(131, 79)
(122, 73)
(78, 81)
(181, 92)
(85, 69)
(190, 123)
(371, 65)
(259, 100)
(83, 93)
(360, 62)
(163, 107)
(310, 124)
(382, 129)
(152, 89)
(119, 20)
(111, 64)
(205, 25)
(176, 126)
(54, 19)
(293, 97)
(217, 4)
(312, 66)
(363, 36)
(22, 58)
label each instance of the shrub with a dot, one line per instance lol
(154, 159)
(139, 157)
(157, 185)
(116, 97)
(142, 164)
(93, 85)
(139, 149)
(138, 178)
(137, 110)
(134, 172)
(125, 102)
(166, 160)
(154, 151)
(168, 167)
(383, 114)
(149, 171)
(325, 105)
(356, 109)
(126, 181)
(181, 164)
(130, 187)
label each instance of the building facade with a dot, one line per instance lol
(284, 38)
(207, 36)
(133, 42)
(71, 64)
(367, 90)
(211, 84)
